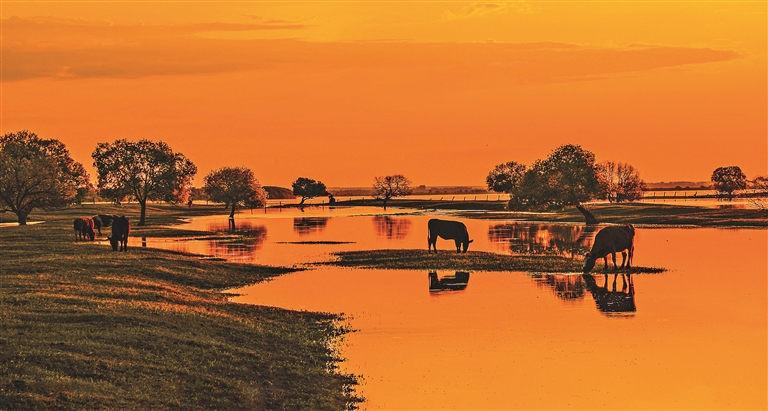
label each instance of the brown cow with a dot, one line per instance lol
(611, 240)
(121, 227)
(103, 220)
(447, 230)
(84, 227)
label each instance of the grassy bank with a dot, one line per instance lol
(83, 327)
(470, 261)
(642, 214)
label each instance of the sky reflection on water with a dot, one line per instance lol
(693, 337)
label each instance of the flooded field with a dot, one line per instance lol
(693, 337)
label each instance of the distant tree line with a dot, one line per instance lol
(40, 173)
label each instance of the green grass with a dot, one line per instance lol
(83, 327)
(470, 261)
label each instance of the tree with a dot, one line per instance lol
(37, 173)
(145, 169)
(567, 177)
(235, 186)
(727, 180)
(385, 188)
(620, 182)
(308, 188)
(506, 177)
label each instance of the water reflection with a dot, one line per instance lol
(309, 225)
(611, 302)
(253, 237)
(392, 227)
(455, 282)
(551, 239)
(565, 287)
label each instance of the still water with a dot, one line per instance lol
(693, 337)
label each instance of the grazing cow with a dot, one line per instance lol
(447, 230)
(102, 220)
(84, 228)
(611, 240)
(121, 227)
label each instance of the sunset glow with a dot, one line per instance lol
(439, 92)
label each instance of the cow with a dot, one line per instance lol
(447, 230)
(84, 228)
(102, 220)
(121, 227)
(611, 240)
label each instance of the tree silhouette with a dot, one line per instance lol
(38, 173)
(567, 177)
(620, 182)
(385, 188)
(728, 179)
(308, 188)
(145, 169)
(234, 186)
(506, 177)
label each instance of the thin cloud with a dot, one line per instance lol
(73, 48)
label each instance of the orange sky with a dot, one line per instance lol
(440, 92)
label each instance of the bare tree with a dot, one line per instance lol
(385, 188)
(620, 181)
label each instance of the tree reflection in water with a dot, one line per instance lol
(613, 303)
(551, 239)
(251, 240)
(309, 225)
(392, 228)
(565, 287)
(456, 282)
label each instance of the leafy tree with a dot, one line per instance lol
(234, 186)
(146, 170)
(727, 180)
(567, 177)
(37, 173)
(308, 188)
(506, 177)
(385, 188)
(620, 182)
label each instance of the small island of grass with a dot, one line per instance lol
(470, 261)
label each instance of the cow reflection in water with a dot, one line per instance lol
(613, 303)
(309, 225)
(549, 239)
(455, 282)
(392, 228)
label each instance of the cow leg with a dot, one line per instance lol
(458, 245)
(631, 251)
(613, 257)
(605, 260)
(623, 258)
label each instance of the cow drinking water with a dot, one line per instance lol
(447, 230)
(611, 240)
(121, 227)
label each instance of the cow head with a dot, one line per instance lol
(91, 235)
(589, 263)
(112, 242)
(465, 245)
